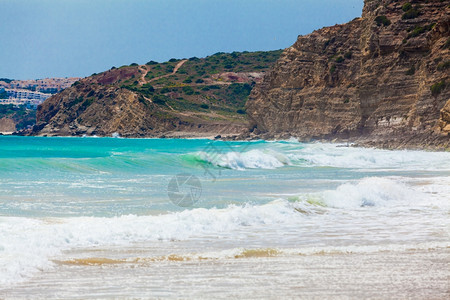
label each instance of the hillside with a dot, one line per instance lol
(14, 118)
(179, 98)
(382, 79)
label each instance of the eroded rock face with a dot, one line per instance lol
(7, 125)
(93, 109)
(369, 80)
(444, 121)
(72, 112)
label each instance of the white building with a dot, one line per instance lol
(24, 97)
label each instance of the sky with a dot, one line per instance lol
(66, 38)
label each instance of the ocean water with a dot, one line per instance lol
(113, 217)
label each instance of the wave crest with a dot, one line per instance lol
(253, 159)
(372, 191)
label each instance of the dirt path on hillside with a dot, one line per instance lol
(144, 70)
(175, 70)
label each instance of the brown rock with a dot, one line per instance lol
(7, 125)
(363, 81)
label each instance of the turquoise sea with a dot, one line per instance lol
(113, 217)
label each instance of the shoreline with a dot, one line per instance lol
(418, 274)
(396, 143)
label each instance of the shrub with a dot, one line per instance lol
(444, 65)
(241, 111)
(87, 103)
(347, 100)
(437, 88)
(447, 44)
(134, 65)
(159, 99)
(147, 88)
(411, 14)
(382, 20)
(73, 102)
(418, 30)
(199, 80)
(328, 42)
(188, 90)
(339, 59)
(407, 6)
(411, 71)
(173, 60)
(348, 55)
(204, 106)
(170, 68)
(187, 80)
(142, 100)
(240, 90)
(333, 69)
(152, 62)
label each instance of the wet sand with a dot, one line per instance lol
(417, 274)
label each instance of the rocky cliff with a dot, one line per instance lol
(179, 98)
(14, 118)
(382, 79)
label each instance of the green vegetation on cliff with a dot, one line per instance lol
(222, 82)
(180, 93)
(21, 116)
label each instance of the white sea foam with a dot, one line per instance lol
(27, 245)
(274, 155)
(253, 159)
(369, 192)
(334, 155)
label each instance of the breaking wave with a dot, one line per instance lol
(253, 159)
(27, 244)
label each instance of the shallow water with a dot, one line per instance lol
(248, 213)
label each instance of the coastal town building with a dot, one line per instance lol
(24, 97)
(32, 92)
(46, 85)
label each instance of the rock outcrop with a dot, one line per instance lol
(382, 79)
(179, 98)
(7, 125)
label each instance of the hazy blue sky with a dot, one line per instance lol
(63, 38)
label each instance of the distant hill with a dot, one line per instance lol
(189, 97)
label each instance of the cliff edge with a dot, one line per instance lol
(382, 80)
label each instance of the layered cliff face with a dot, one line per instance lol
(178, 98)
(381, 79)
